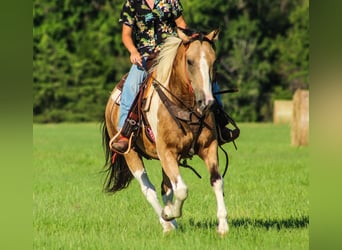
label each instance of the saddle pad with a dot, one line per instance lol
(148, 94)
(116, 93)
(116, 96)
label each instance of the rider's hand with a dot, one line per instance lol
(136, 58)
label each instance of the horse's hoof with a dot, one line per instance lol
(222, 229)
(222, 233)
(166, 214)
(169, 226)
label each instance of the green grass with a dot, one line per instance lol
(266, 193)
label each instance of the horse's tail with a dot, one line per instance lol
(118, 174)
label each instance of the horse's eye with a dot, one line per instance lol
(190, 62)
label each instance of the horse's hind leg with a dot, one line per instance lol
(211, 160)
(136, 166)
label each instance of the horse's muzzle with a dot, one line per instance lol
(204, 106)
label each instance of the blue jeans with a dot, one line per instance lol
(131, 87)
(216, 88)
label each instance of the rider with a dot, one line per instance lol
(149, 22)
(145, 25)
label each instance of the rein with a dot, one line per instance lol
(181, 114)
(184, 164)
(171, 106)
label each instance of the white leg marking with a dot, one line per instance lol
(205, 76)
(221, 208)
(181, 190)
(151, 195)
(168, 226)
(181, 193)
(148, 190)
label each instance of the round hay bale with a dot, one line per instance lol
(300, 118)
(282, 111)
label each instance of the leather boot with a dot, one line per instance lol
(229, 135)
(121, 145)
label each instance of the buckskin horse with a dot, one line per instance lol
(178, 112)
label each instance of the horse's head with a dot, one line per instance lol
(199, 60)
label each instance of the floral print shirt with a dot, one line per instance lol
(151, 26)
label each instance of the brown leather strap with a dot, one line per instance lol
(167, 103)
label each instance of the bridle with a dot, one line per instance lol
(194, 37)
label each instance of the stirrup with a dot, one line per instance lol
(222, 141)
(115, 137)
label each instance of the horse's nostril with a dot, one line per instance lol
(200, 103)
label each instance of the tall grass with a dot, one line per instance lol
(266, 193)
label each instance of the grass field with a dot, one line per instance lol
(266, 193)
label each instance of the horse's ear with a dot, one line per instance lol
(213, 36)
(185, 38)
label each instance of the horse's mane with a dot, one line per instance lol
(164, 61)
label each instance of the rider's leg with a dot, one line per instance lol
(225, 134)
(130, 89)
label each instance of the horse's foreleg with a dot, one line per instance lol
(180, 190)
(166, 190)
(174, 210)
(211, 160)
(217, 184)
(136, 166)
(150, 193)
(167, 194)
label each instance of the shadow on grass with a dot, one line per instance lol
(289, 223)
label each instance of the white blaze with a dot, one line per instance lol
(205, 76)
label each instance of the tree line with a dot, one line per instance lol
(78, 56)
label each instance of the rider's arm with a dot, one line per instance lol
(127, 40)
(180, 22)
